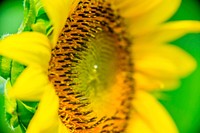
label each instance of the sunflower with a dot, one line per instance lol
(91, 65)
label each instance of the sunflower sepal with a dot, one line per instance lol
(18, 113)
(5, 67)
(16, 70)
(10, 68)
(35, 18)
(10, 107)
(26, 111)
(29, 16)
(42, 25)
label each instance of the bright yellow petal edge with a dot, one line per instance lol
(130, 9)
(168, 32)
(58, 12)
(157, 68)
(26, 84)
(46, 119)
(157, 15)
(149, 116)
(35, 46)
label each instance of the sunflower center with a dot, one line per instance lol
(91, 70)
(96, 66)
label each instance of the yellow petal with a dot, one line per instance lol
(161, 64)
(155, 65)
(166, 60)
(151, 83)
(149, 116)
(138, 125)
(30, 85)
(46, 119)
(130, 8)
(168, 32)
(28, 48)
(162, 12)
(62, 128)
(58, 12)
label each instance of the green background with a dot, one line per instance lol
(183, 103)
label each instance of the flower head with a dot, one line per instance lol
(92, 64)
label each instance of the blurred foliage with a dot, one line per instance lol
(183, 103)
(11, 16)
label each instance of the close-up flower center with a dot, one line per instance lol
(91, 70)
(99, 66)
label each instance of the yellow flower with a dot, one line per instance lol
(124, 55)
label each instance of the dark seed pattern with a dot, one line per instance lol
(90, 18)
